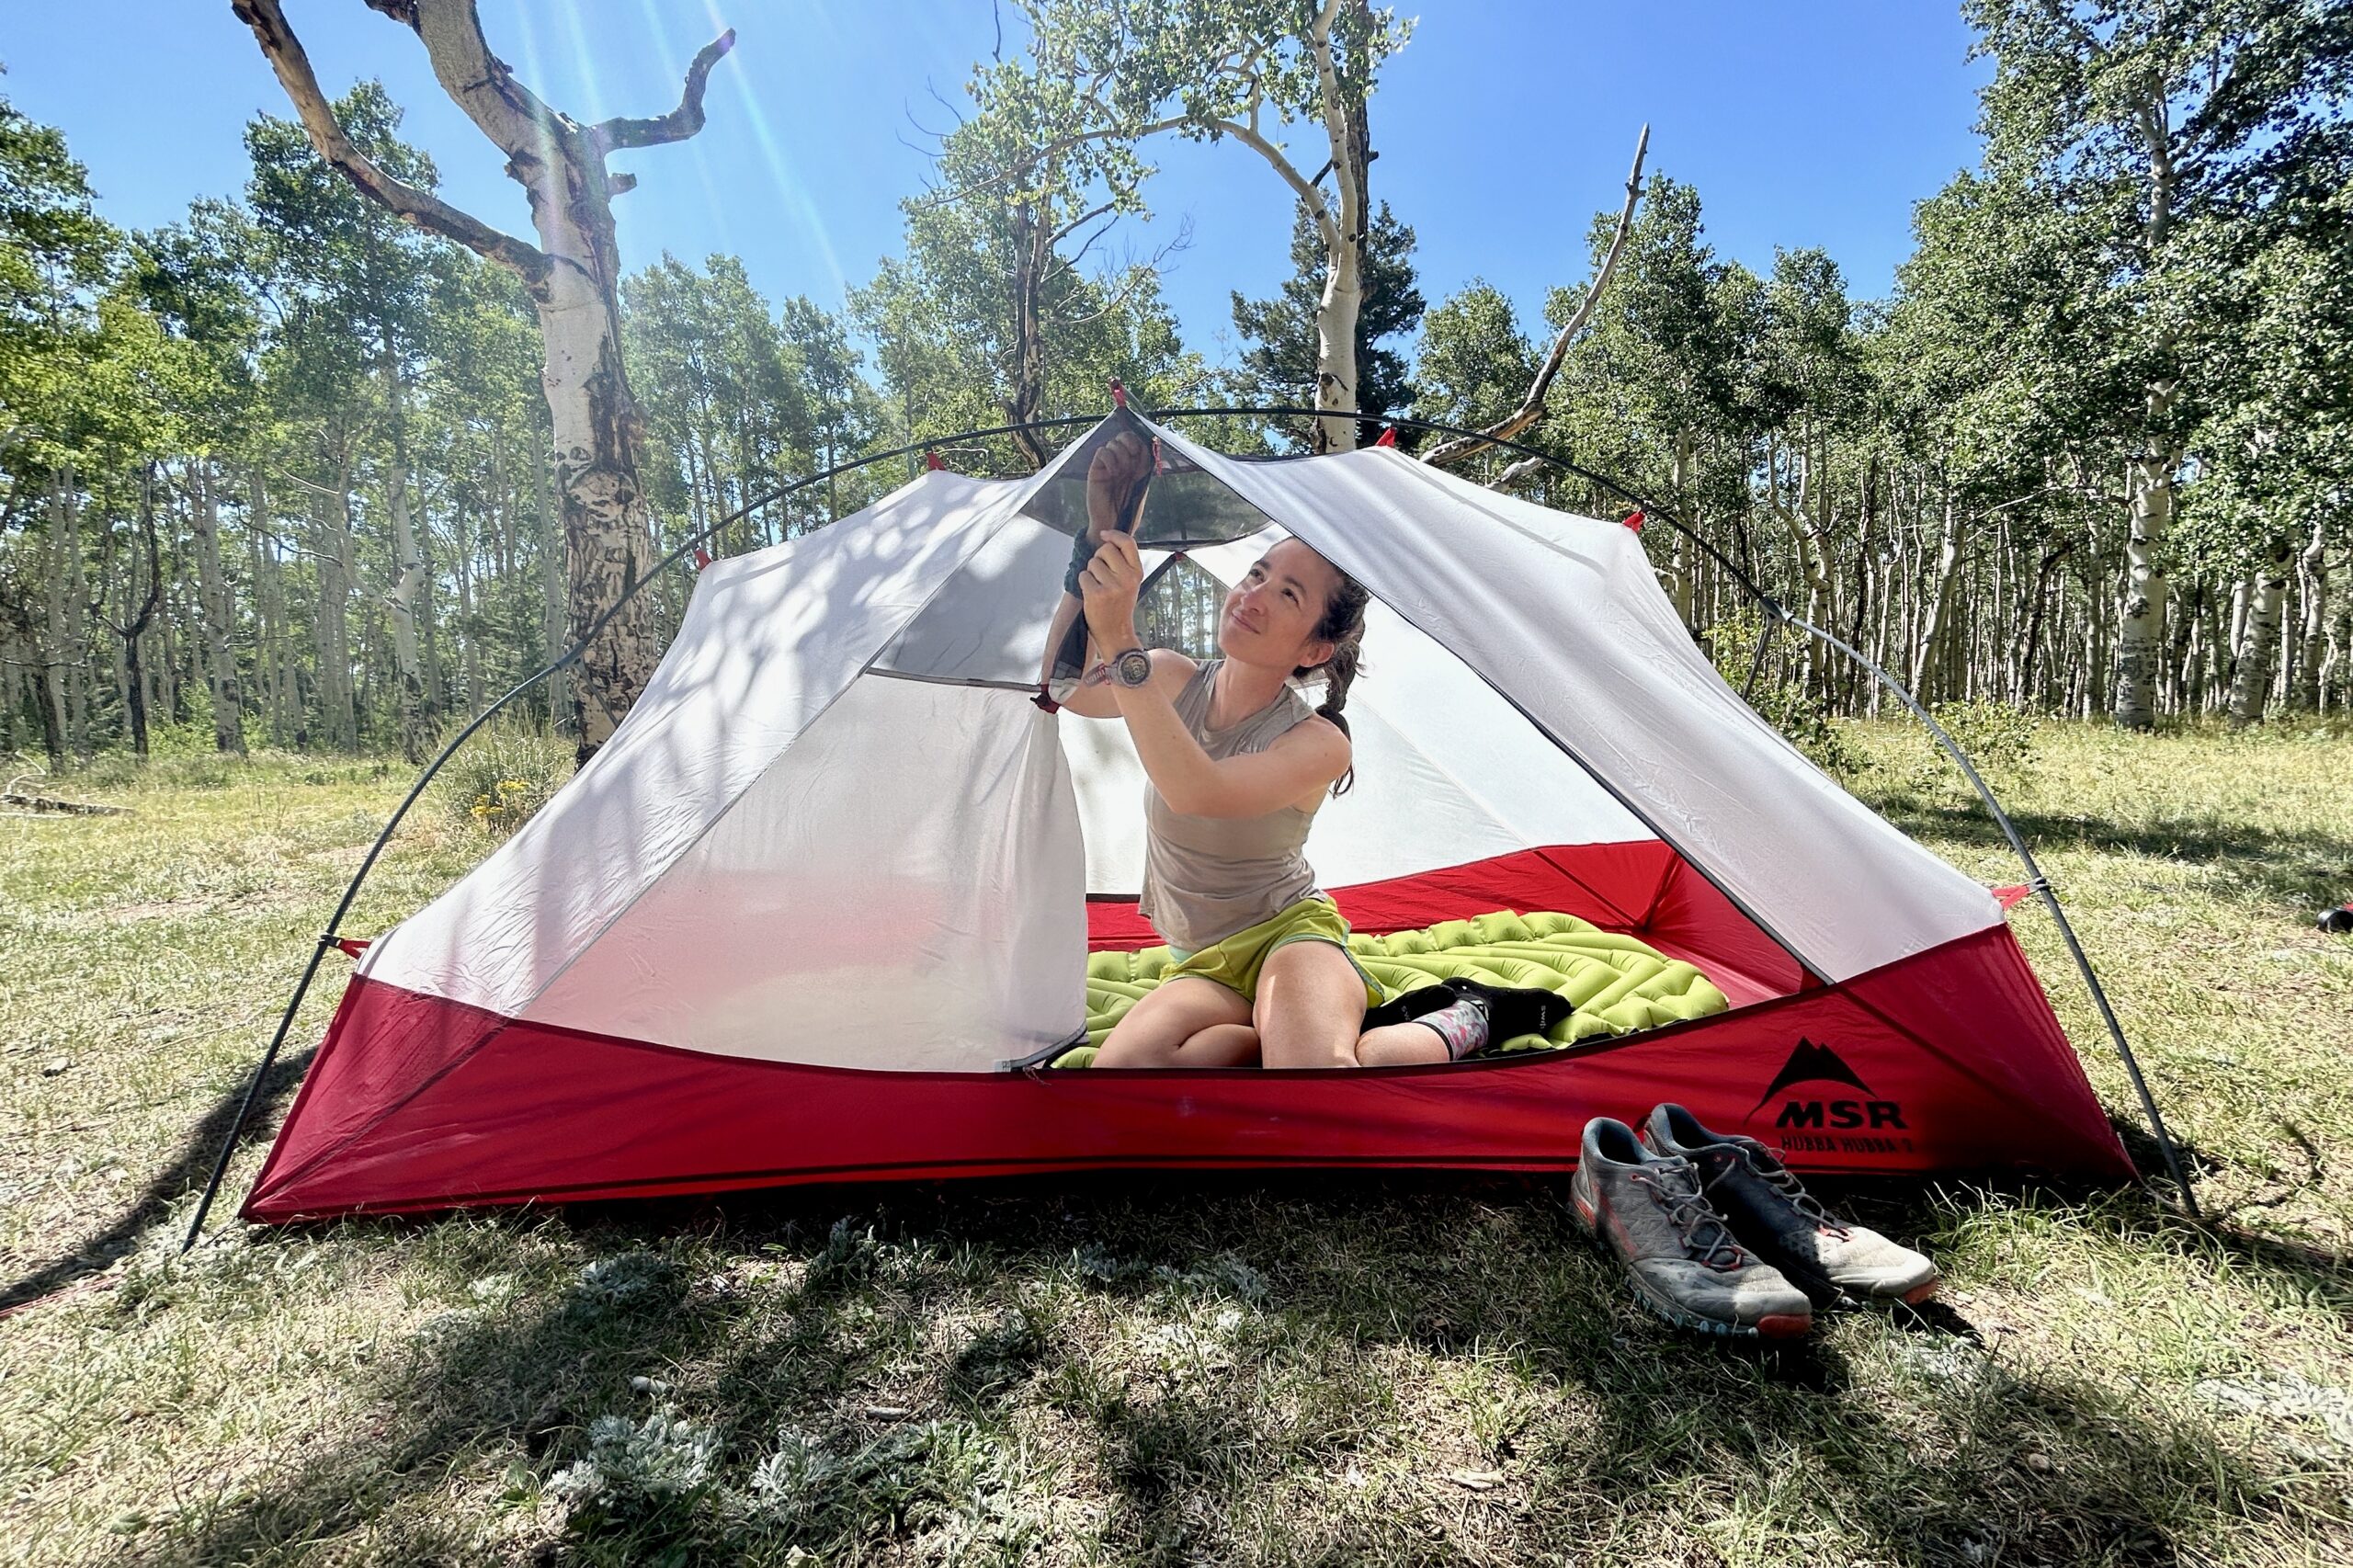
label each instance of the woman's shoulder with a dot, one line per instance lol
(1176, 671)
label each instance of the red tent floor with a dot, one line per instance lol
(1948, 1060)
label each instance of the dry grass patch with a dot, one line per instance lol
(1400, 1370)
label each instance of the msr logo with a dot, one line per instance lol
(1812, 1064)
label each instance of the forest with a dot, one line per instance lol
(286, 473)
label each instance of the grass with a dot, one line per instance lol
(1306, 1369)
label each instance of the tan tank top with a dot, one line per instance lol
(1206, 878)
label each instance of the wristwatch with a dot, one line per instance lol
(1133, 668)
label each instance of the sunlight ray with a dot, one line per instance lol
(792, 193)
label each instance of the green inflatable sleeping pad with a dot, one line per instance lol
(1618, 984)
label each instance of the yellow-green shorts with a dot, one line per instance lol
(1236, 961)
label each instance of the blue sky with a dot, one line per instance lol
(1502, 127)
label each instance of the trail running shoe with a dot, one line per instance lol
(1683, 1261)
(1781, 1223)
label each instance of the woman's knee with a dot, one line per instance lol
(1157, 1026)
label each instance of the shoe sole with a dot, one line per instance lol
(1772, 1326)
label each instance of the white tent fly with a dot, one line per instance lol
(839, 832)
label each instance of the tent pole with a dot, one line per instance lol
(1757, 664)
(570, 655)
(2042, 885)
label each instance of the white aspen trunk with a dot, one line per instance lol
(2335, 668)
(63, 543)
(1801, 537)
(125, 703)
(1033, 257)
(2312, 649)
(552, 586)
(219, 618)
(2140, 636)
(338, 715)
(1679, 574)
(1336, 347)
(1344, 237)
(1926, 655)
(2252, 684)
(598, 436)
(1813, 558)
(2141, 625)
(73, 647)
(2242, 595)
(408, 573)
(271, 661)
(469, 624)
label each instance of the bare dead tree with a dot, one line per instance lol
(1531, 407)
(571, 276)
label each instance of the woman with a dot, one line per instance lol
(1238, 765)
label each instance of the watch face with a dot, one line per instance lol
(1133, 667)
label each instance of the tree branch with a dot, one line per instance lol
(503, 109)
(680, 122)
(1335, 116)
(1518, 473)
(1531, 407)
(411, 205)
(1317, 208)
(2061, 15)
(982, 185)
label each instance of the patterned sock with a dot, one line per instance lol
(1463, 1027)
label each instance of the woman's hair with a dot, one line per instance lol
(1342, 627)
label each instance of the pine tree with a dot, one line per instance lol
(1280, 365)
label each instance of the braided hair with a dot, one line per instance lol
(1342, 627)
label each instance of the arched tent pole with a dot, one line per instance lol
(328, 938)
(1775, 613)
(2042, 885)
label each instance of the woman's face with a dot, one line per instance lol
(1271, 615)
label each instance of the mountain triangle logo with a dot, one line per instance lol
(1811, 1063)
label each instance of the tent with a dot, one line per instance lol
(821, 909)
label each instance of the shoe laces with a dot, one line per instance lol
(1705, 1235)
(1783, 1180)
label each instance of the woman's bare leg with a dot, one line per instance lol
(1162, 1024)
(1400, 1045)
(1221, 1045)
(1310, 1007)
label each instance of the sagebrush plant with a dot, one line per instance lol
(1997, 736)
(500, 779)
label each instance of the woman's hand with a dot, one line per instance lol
(1109, 588)
(1118, 463)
